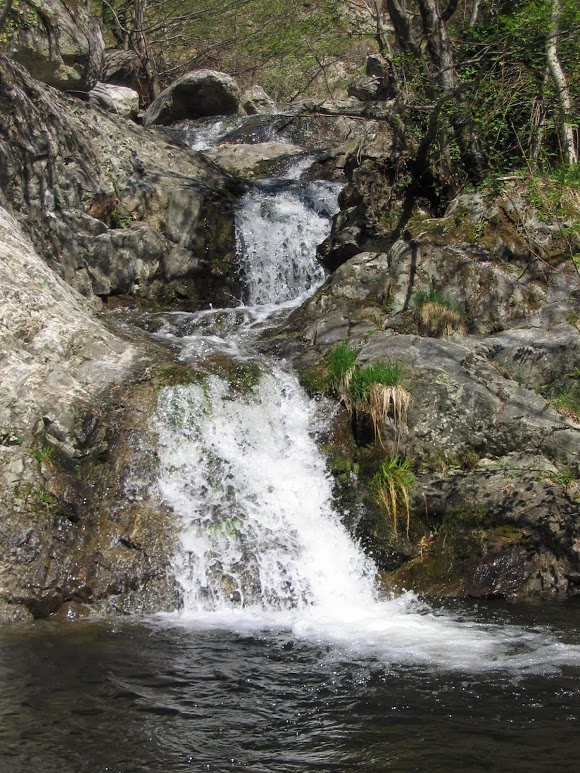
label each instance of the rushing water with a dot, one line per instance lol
(284, 655)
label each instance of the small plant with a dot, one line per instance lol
(393, 483)
(374, 389)
(564, 394)
(42, 454)
(341, 364)
(436, 315)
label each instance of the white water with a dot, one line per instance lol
(261, 544)
(279, 231)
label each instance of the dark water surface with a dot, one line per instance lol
(125, 697)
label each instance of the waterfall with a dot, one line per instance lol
(278, 232)
(261, 544)
(244, 475)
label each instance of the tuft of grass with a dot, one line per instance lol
(436, 315)
(564, 394)
(42, 454)
(341, 365)
(392, 484)
(376, 390)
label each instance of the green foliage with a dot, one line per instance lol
(341, 362)
(42, 454)
(281, 44)
(388, 375)
(20, 17)
(392, 484)
(564, 394)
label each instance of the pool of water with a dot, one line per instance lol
(163, 696)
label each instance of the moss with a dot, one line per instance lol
(242, 377)
(176, 375)
(316, 380)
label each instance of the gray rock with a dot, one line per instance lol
(195, 95)
(252, 160)
(59, 43)
(110, 206)
(65, 541)
(256, 101)
(115, 99)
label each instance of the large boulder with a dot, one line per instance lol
(253, 160)
(58, 41)
(111, 207)
(195, 95)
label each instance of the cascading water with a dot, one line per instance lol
(261, 544)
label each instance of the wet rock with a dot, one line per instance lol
(195, 95)
(58, 41)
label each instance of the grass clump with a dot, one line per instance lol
(341, 364)
(374, 390)
(564, 394)
(436, 315)
(392, 484)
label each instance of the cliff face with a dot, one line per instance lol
(111, 207)
(70, 535)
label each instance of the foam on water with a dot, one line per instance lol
(277, 236)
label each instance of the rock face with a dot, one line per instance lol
(195, 95)
(58, 42)
(119, 100)
(493, 428)
(111, 208)
(67, 545)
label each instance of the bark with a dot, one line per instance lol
(144, 50)
(558, 76)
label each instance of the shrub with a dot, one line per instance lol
(392, 484)
(436, 315)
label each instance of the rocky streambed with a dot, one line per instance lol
(99, 213)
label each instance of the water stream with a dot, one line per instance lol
(284, 655)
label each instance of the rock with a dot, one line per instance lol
(255, 101)
(58, 42)
(65, 542)
(111, 207)
(252, 160)
(195, 95)
(115, 99)
(122, 67)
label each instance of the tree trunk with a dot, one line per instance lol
(144, 50)
(569, 149)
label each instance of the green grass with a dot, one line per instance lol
(434, 296)
(363, 379)
(341, 361)
(392, 484)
